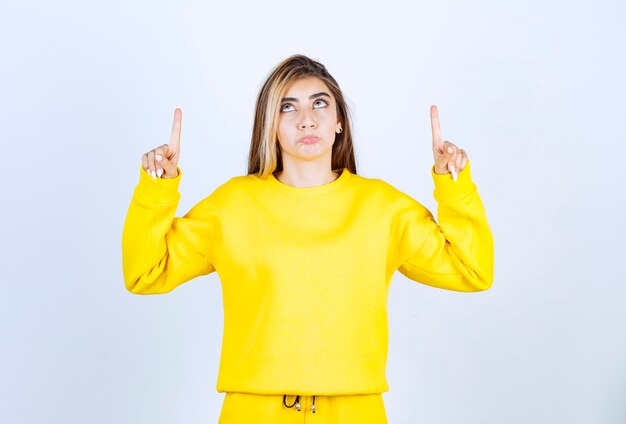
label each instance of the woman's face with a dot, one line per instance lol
(307, 122)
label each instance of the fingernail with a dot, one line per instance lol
(159, 158)
(449, 149)
(159, 172)
(453, 172)
(153, 174)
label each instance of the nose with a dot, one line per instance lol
(307, 120)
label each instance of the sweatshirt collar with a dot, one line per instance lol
(340, 181)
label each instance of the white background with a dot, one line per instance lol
(533, 90)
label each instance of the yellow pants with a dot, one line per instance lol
(247, 408)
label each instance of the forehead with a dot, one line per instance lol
(303, 87)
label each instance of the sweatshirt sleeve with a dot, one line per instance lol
(456, 254)
(159, 250)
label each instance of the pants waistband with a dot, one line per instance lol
(296, 403)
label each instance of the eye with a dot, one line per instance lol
(324, 102)
(282, 108)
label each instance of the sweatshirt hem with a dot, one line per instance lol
(308, 392)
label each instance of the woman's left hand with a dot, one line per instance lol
(448, 157)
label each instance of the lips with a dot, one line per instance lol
(309, 139)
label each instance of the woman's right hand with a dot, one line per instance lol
(162, 162)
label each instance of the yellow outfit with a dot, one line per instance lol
(246, 408)
(305, 272)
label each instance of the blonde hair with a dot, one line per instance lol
(264, 157)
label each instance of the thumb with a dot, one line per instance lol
(170, 152)
(439, 151)
(445, 156)
(164, 158)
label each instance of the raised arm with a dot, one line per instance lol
(160, 251)
(456, 253)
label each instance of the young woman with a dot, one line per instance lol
(305, 250)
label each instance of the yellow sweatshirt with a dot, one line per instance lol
(305, 272)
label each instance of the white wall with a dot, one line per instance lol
(534, 91)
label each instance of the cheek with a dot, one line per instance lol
(327, 118)
(329, 124)
(283, 130)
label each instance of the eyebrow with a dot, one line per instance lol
(312, 96)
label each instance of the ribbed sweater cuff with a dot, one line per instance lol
(447, 190)
(159, 190)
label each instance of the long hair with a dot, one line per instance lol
(265, 157)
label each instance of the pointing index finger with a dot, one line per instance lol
(434, 124)
(174, 143)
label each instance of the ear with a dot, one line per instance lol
(338, 129)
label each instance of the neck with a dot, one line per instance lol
(306, 174)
